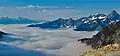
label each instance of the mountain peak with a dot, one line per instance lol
(99, 14)
(20, 17)
(60, 19)
(4, 17)
(113, 15)
(114, 12)
(70, 19)
(90, 16)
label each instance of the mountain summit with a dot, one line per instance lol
(90, 23)
(114, 16)
(114, 12)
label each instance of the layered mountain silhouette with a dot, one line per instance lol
(90, 23)
(19, 20)
(59, 23)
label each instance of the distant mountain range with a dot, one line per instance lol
(90, 23)
(19, 20)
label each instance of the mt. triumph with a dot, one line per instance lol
(90, 23)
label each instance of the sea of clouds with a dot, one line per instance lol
(49, 42)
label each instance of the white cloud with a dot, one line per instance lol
(37, 6)
(52, 42)
(40, 12)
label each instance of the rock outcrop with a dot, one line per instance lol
(109, 35)
(2, 33)
(103, 50)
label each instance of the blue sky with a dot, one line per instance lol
(52, 9)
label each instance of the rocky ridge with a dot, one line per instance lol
(94, 22)
(109, 35)
(105, 41)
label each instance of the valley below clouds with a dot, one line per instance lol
(48, 42)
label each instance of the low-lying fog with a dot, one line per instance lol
(48, 42)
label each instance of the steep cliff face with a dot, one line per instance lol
(109, 35)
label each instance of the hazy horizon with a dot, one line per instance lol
(53, 9)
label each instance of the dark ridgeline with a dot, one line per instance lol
(19, 20)
(59, 23)
(90, 23)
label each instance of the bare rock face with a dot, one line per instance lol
(109, 35)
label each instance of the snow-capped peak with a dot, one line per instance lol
(102, 17)
(114, 12)
(98, 16)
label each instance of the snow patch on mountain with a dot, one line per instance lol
(91, 23)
